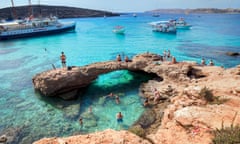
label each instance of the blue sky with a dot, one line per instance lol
(131, 5)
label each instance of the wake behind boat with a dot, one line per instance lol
(33, 27)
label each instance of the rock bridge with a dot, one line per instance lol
(65, 81)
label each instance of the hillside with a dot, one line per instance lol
(198, 10)
(59, 11)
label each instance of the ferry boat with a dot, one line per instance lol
(164, 27)
(33, 27)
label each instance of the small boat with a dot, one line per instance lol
(119, 30)
(164, 27)
(182, 24)
(155, 15)
(134, 15)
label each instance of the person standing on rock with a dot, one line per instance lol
(63, 59)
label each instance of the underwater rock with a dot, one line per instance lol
(10, 135)
(232, 53)
(72, 111)
(89, 120)
(147, 118)
(69, 95)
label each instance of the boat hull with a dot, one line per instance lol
(38, 33)
(168, 32)
(183, 27)
(119, 31)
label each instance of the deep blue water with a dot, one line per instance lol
(211, 36)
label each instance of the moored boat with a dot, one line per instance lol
(182, 24)
(33, 27)
(119, 30)
(155, 15)
(164, 27)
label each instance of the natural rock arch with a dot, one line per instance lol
(63, 80)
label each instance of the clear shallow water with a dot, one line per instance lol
(93, 40)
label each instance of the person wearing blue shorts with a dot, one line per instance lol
(119, 117)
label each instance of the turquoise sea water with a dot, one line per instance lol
(32, 116)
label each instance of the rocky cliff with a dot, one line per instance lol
(59, 11)
(186, 117)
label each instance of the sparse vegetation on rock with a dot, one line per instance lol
(227, 135)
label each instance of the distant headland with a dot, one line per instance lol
(59, 11)
(198, 10)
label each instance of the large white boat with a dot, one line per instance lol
(33, 27)
(181, 24)
(164, 27)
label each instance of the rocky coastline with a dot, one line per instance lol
(181, 115)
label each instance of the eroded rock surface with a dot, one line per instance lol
(186, 118)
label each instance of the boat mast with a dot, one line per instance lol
(30, 8)
(14, 13)
(40, 10)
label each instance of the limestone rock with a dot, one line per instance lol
(105, 137)
(147, 118)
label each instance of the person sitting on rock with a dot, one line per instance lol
(118, 58)
(126, 59)
(211, 63)
(157, 95)
(203, 62)
(174, 61)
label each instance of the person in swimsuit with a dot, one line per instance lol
(117, 99)
(203, 62)
(119, 117)
(80, 121)
(63, 59)
(211, 63)
(118, 58)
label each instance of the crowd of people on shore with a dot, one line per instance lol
(167, 57)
